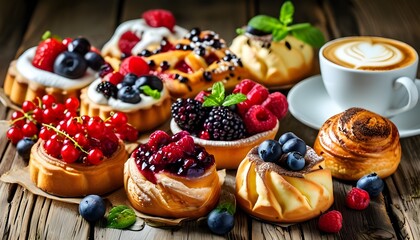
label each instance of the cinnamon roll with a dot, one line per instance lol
(357, 142)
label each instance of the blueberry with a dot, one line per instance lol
(270, 151)
(295, 161)
(129, 79)
(79, 45)
(294, 144)
(70, 65)
(92, 208)
(154, 82)
(254, 31)
(220, 222)
(286, 136)
(24, 146)
(94, 60)
(372, 184)
(129, 94)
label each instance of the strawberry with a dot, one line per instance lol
(46, 52)
(330, 222)
(277, 104)
(159, 18)
(258, 119)
(357, 199)
(127, 41)
(134, 64)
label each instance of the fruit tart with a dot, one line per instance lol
(228, 127)
(57, 67)
(141, 96)
(278, 55)
(194, 63)
(284, 181)
(357, 142)
(171, 177)
(134, 36)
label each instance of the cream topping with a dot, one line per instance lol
(146, 101)
(49, 79)
(148, 35)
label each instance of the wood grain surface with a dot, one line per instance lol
(393, 215)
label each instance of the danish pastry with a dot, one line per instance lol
(358, 142)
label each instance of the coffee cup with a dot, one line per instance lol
(371, 73)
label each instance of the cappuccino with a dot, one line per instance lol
(370, 53)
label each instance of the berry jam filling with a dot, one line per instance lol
(176, 155)
(183, 67)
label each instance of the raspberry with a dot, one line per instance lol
(158, 139)
(201, 95)
(107, 89)
(114, 78)
(259, 119)
(244, 86)
(188, 114)
(224, 124)
(257, 95)
(186, 143)
(127, 41)
(159, 18)
(135, 65)
(357, 199)
(330, 222)
(46, 53)
(277, 104)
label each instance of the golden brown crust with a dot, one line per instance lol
(275, 64)
(56, 177)
(203, 74)
(271, 193)
(17, 89)
(172, 196)
(357, 142)
(144, 119)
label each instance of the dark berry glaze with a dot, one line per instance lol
(177, 155)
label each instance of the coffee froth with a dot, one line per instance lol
(370, 53)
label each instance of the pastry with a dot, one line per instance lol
(283, 186)
(134, 36)
(171, 177)
(142, 97)
(78, 157)
(194, 63)
(276, 52)
(45, 70)
(358, 142)
(228, 127)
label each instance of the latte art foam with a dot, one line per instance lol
(369, 53)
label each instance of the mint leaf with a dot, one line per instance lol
(264, 23)
(211, 101)
(150, 92)
(218, 91)
(226, 206)
(279, 34)
(121, 217)
(233, 99)
(286, 13)
(310, 35)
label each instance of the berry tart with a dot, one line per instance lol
(134, 36)
(171, 177)
(278, 55)
(284, 181)
(228, 127)
(194, 63)
(357, 142)
(141, 96)
(57, 67)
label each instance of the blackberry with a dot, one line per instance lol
(189, 114)
(224, 124)
(107, 89)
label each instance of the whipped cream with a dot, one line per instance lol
(49, 79)
(362, 54)
(116, 104)
(148, 35)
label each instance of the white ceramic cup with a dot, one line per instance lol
(370, 73)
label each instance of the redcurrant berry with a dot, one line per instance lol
(119, 118)
(53, 147)
(45, 133)
(14, 134)
(70, 153)
(28, 106)
(29, 129)
(48, 100)
(18, 118)
(72, 104)
(95, 156)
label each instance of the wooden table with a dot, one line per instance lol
(393, 215)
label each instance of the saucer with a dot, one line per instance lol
(310, 104)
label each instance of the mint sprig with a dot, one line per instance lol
(154, 93)
(121, 217)
(281, 27)
(217, 97)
